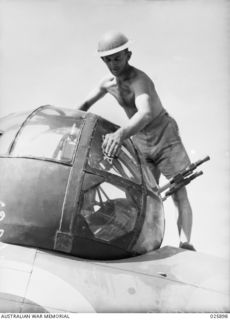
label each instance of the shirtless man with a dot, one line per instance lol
(153, 131)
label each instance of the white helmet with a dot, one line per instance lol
(112, 42)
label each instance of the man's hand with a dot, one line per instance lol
(112, 143)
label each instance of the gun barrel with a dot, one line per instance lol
(199, 162)
(195, 175)
(181, 184)
(193, 166)
(179, 178)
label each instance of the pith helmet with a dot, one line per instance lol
(112, 42)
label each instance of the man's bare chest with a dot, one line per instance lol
(123, 93)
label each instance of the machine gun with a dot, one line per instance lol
(182, 179)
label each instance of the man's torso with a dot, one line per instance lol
(124, 92)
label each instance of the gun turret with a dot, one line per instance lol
(182, 178)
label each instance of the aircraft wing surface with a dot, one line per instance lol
(166, 280)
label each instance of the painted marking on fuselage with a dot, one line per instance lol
(2, 215)
(2, 204)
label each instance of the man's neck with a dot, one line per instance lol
(126, 74)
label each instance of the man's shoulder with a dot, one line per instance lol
(141, 78)
(142, 75)
(106, 80)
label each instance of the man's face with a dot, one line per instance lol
(117, 62)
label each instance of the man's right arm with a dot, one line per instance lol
(93, 97)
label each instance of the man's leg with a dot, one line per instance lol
(184, 222)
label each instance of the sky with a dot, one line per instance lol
(48, 56)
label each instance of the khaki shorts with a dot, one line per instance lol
(160, 144)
